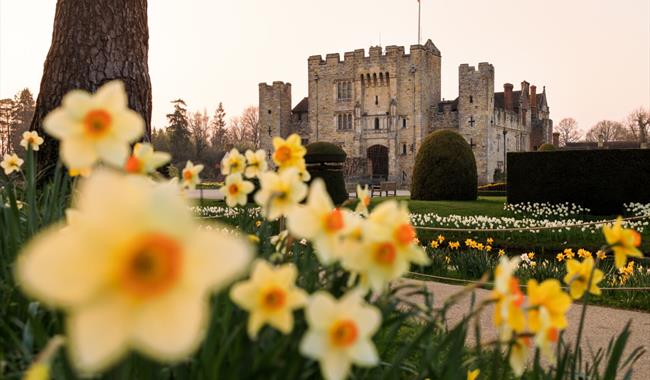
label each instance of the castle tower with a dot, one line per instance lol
(274, 112)
(475, 110)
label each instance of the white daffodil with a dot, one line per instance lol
(363, 193)
(93, 127)
(191, 175)
(279, 193)
(255, 163)
(320, 222)
(233, 162)
(145, 160)
(31, 138)
(11, 163)
(132, 270)
(340, 333)
(236, 190)
(270, 296)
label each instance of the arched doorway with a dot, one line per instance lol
(378, 157)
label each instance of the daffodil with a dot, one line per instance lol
(547, 335)
(508, 313)
(320, 222)
(191, 175)
(389, 247)
(134, 271)
(473, 375)
(441, 238)
(95, 127)
(31, 139)
(577, 277)
(233, 162)
(340, 333)
(547, 296)
(279, 193)
(623, 241)
(434, 244)
(270, 296)
(79, 172)
(144, 160)
(519, 353)
(363, 193)
(559, 257)
(236, 190)
(289, 153)
(601, 255)
(501, 253)
(255, 163)
(11, 163)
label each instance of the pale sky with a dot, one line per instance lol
(593, 56)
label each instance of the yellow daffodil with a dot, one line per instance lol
(601, 255)
(289, 153)
(473, 375)
(236, 190)
(255, 163)
(233, 162)
(320, 222)
(279, 193)
(519, 355)
(559, 257)
(389, 247)
(488, 248)
(469, 242)
(577, 277)
(583, 253)
(40, 369)
(501, 252)
(145, 160)
(134, 271)
(489, 240)
(270, 296)
(81, 172)
(31, 138)
(547, 296)
(454, 244)
(531, 255)
(11, 163)
(547, 335)
(441, 238)
(191, 175)
(508, 313)
(568, 253)
(363, 193)
(479, 246)
(340, 333)
(434, 244)
(95, 127)
(624, 242)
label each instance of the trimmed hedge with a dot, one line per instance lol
(602, 180)
(546, 148)
(324, 160)
(445, 169)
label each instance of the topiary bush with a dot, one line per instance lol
(325, 160)
(445, 169)
(546, 148)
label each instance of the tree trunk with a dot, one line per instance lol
(93, 42)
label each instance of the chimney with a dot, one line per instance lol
(507, 96)
(533, 101)
(556, 139)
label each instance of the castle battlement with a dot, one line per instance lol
(275, 84)
(374, 53)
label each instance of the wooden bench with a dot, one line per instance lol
(384, 187)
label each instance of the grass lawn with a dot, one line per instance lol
(487, 206)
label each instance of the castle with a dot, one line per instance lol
(380, 107)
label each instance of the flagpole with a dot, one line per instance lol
(419, 8)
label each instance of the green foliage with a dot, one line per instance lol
(445, 169)
(601, 180)
(334, 182)
(546, 148)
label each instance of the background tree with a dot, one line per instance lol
(237, 134)
(199, 123)
(218, 130)
(22, 113)
(178, 132)
(609, 130)
(95, 41)
(251, 125)
(568, 129)
(6, 106)
(638, 124)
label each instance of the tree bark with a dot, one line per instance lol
(93, 42)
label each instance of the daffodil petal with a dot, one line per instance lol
(77, 153)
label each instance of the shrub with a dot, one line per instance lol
(445, 168)
(601, 180)
(546, 148)
(325, 160)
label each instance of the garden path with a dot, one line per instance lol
(216, 194)
(601, 323)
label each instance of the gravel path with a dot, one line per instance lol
(600, 325)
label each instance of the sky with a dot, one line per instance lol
(593, 56)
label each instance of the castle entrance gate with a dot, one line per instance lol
(378, 158)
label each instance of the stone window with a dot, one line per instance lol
(374, 79)
(376, 123)
(344, 121)
(376, 100)
(387, 79)
(343, 90)
(403, 149)
(404, 123)
(471, 99)
(381, 79)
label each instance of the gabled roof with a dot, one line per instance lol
(499, 100)
(302, 107)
